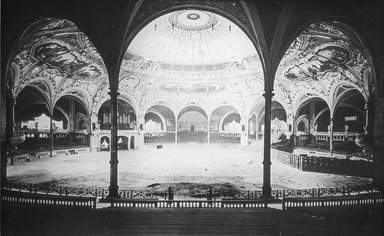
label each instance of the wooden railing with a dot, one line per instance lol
(292, 203)
(188, 203)
(42, 199)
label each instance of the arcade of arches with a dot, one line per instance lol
(200, 73)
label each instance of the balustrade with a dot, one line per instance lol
(42, 199)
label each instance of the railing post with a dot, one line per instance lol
(318, 192)
(209, 194)
(348, 190)
(343, 190)
(131, 194)
(61, 190)
(170, 194)
(313, 192)
(66, 191)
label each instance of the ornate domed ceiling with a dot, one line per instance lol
(192, 37)
(191, 56)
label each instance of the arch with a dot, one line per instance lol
(319, 114)
(126, 120)
(192, 108)
(79, 118)
(303, 119)
(345, 95)
(222, 122)
(79, 97)
(163, 124)
(104, 143)
(163, 102)
(221, 112)
(166, 115)
(123, 142)
(124, 98)
(307, 101)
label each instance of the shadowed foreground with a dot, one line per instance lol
(33, 220)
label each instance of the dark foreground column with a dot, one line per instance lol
(331, 136)
(267, 145)
(50, 132)
(9, 116)
(113, 187)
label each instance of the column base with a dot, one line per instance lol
(4, 160)
(267, 192)
(113, 193)
(378, 165)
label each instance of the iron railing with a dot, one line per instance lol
(211, 193)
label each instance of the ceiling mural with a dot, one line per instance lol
(62, 56)
(318, 60)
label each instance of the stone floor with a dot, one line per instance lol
(180, 166)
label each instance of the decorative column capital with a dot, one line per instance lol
(113, 92)
(268, 94)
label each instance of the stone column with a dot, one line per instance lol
(244, 131)
(51, 132)
(71, 121)
(140, 131)
(267, 145)
(312, 115)
(113, 187)
(176, 130)
(93, 134)
(208, 130)
(366, 109)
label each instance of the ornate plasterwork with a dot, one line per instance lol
(191, 37)
(319, 60)
(63, 57)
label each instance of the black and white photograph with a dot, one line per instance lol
(196, 117)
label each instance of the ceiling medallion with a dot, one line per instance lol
(192, 20)
(193, 16)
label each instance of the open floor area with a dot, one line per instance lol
(187, 168)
